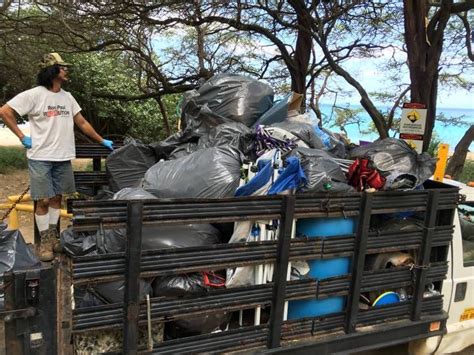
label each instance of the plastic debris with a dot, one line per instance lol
(225, 98)
(207, 173)
(402, 166)
(127, 165)
(323, 172)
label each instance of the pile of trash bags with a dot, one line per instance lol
(235, 140)
(231, 119)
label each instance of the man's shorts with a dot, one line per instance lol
(50, 178)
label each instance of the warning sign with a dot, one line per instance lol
(413, 116)
(412, 124)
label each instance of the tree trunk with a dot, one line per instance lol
(302, 56)
(424, 46)
(164, 115)
(456, 163)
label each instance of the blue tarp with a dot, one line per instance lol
(291, 177)
(265, 173)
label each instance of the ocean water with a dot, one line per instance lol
(448, 134)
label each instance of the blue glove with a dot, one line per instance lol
(26, 141)
(108, 144)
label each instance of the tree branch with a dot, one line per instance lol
(395, 105)
(467, 26)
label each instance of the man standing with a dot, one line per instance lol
(52, 113)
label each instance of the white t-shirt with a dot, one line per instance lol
(51, 122)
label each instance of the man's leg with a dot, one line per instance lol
(42, 222)
(42, 215)
(41, 191)
(63, 183)
(54, 211)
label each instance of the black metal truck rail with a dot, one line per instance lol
(92, 215)
(435, 203)
(162, 309)
(90, 178)
(215, 257)
(93, 150)
(96, 178)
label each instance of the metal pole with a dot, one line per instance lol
(132, 273)
(96, 166)
(280, 271)
(358, 262)
(424, 254)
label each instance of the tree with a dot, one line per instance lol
(424, 43)
(175, 44)
(456, 163)
(91, 72)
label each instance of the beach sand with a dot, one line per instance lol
(7, 138)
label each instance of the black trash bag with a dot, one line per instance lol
(164, 148)
(225, 229)
(153, 237)
(14, 252)
(197, 120)
(133, 193)
(84, 243)
(179, 236)
(83, 298)
(207, 173)
(106, 293)
(14, 255)
(323, 173)
(402, 166)
(225, 98)
(78, 244)
(183, 150)
(233, 134)
(180, 286)
(303, 131)
(127, 165)
(202, 324)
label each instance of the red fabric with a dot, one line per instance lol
(362, 177)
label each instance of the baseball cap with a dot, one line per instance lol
(51, 59)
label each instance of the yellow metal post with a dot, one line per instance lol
(441, 163)
(13, 222)
(15, 198)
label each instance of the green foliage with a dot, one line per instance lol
(345, 116)
(434, 145)
(467, 174)
(12, 158)
(457, 121)
(97, 75)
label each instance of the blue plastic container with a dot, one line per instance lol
(322, 269)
